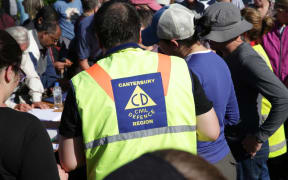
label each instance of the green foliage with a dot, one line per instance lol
(48, 2)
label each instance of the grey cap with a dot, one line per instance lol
(225, 21)
(170, 22)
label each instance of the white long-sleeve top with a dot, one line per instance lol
(32, 80)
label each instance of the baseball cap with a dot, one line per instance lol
(225, 21)
(151, 3)
(171, 22)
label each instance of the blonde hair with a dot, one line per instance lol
(32, 7)
(260, 26)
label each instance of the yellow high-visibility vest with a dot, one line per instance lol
(133, 102)
(277, 142)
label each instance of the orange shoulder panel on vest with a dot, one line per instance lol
(104, 80)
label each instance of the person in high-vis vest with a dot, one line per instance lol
(277, 142)
(130, 102)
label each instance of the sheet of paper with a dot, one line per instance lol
(46, 114)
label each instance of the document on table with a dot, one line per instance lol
(46, 114)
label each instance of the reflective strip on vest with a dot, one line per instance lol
(277, 142)
(277, 147)
(139, 134)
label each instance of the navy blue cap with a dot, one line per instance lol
(149, 35)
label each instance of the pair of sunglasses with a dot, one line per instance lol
(22, 74)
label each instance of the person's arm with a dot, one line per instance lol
(71, 153)
(33, 82)
(262, 78)
(71, 150)
(83, 64)
(208, 128)
(82, 47)
(232, 111)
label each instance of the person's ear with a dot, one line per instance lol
(240, 39)
(140, 36)
(9, 73)
(41, 34)
(174, 43)
(40, 20)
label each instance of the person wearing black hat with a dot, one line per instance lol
(251, 76)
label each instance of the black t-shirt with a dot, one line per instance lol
(25, 148)
(71, 126)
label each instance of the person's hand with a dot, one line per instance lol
(40, 105)
(62, 174)
(3, 105)
(59, 65)
(251, 145)
(23, 107)
(68, 63)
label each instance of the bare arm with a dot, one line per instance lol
(84, 64)
(71, 153)
(208, 128)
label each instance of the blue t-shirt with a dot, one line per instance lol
(68, 12)
(215, 78)
(87, 43)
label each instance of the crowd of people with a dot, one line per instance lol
(156, 89)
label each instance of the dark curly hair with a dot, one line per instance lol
(46, 19)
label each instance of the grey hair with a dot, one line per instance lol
(19, 33)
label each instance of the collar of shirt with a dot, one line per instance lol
(40, 47)
(120, 47)
(35, 36)
(188, 57)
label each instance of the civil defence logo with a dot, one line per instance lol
(140, 102)
(139, 99)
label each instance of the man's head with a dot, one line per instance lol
(20, 34)
(117, 23)
(225, 22)
(51, 35)
(46, 24)
(45, 14)
(170, 26)
(167, 164)
(10, 59)
(90, 5)
(281, 8)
